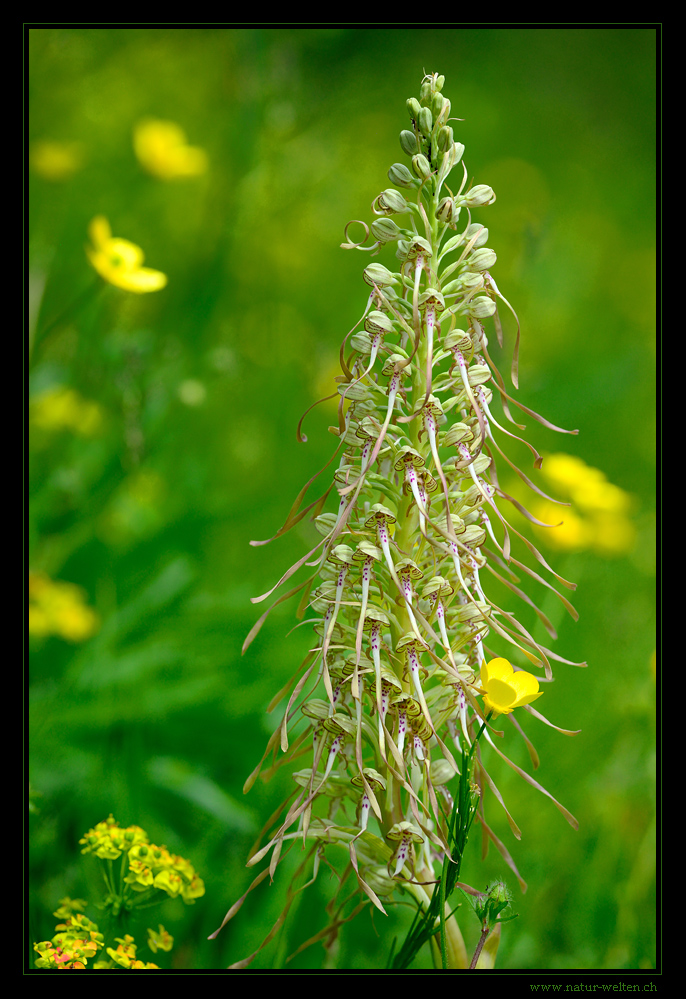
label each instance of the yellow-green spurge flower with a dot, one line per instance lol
(146, 873)
(408, 637)
(149, 866)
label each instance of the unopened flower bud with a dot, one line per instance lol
(481, 307)
(400, 175)
(489, 906)
(441, 771)
(377, 274)
(408, 142)
(458, 149)
(482, 260)
(325, 523)
(425, 93)
(425, 121)
(482, 194)
(472, 230)
(315, 708)
(447, 212)
(378, 880)
(438, 103)
(413, 107)
(444, 139)
(479, 373)
(392, 201)
(468, 281)
(385, 230)
(421, 166)
(356, 391)
(499, 894)
(362, 343)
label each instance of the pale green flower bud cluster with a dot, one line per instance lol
(389, 697)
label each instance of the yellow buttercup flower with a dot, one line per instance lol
(59, 608)
(162, 150)
(119, 261)
(600, 516)
(506, 688)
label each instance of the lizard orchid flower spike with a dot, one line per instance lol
(408, 636)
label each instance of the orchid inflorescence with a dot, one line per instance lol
(404, 676)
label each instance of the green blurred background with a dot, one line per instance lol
(163, 441)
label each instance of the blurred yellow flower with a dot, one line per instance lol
(160, 941)
(600, 513)
(68, 906)
(506, 688)
(162, 150)
(125, 955)
(56, 161)
(119, 261)
(58, 608)
(63, 408)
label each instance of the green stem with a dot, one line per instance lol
(444, 952)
